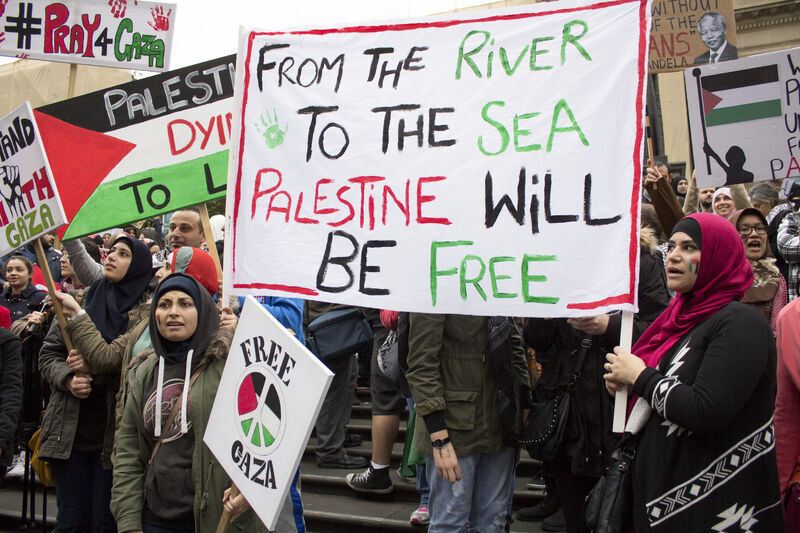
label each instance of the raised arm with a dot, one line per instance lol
(692, 196)
(85, 268)
(741, 200)
(668, 210)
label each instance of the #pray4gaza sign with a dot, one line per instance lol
(480, 165)
(111, 33)
(30, 206)
(268, 399)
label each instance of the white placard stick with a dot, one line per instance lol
(621, 398)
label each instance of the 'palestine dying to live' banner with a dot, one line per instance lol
(141, 148)
(744, 117)
(460, 164)
(110, 33)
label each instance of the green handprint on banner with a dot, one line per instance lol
(272, 132)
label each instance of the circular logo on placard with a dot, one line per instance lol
(260, 411)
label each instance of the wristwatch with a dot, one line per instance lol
(440, 443)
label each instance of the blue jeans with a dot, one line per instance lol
(422, 486)
(83, 494)
(479, 499)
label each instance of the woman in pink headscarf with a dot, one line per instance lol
(704, 378)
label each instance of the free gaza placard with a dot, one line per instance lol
(484, 164)
(266, 405)
(30, 206)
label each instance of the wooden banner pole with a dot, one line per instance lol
(212, 246)
(650, 155)
(621, 398)
(73, 74)
(225, 519)
(51, 289)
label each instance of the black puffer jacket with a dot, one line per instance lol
(588, 439)
(10, 393)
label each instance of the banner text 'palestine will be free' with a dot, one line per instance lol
(476, 165)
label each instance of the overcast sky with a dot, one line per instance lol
(206, 29)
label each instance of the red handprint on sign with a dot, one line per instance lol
(118, 7)
(3, 4)
(161, 20)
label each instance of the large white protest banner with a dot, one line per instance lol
(30, 204)
(744, 117)
(477, 164)
(268, 399)
(110, 33)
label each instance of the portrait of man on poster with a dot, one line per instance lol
(713, 31)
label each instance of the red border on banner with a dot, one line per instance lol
(628, 297)
(278, 287)
(637, 177)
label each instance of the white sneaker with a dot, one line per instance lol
(407, 479)
(420, 517)
(17, 469)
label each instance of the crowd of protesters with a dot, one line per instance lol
(123, 400)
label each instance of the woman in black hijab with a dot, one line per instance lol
(78, 427)
(162, 467)
(680, 186)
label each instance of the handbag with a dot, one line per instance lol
(387, 358)
(791, 502)
(40, 466)
(544, 429)
(609, 504)
(338, 333)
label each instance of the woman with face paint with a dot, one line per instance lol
(162, 491)
(768, 293)
(703, 380)
(78, 425)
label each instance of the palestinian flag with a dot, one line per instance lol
(259, 408)
(741, 95)
(142, 148)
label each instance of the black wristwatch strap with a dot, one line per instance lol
(440, 443)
